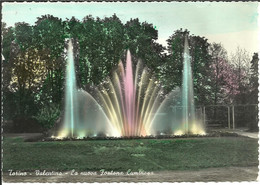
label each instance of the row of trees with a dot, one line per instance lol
(34, 64)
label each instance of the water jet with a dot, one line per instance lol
(131, 103)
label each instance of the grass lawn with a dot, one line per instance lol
(121, 155)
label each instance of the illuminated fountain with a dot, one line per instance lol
(71, 98)
(131, 103)
(189, 122)
(83, 116)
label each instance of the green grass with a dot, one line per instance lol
(121, 155)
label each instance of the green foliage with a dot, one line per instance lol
(8, 38)
(254, 79)
(19, 104)
(48, 115)
(171, 73)
(100, 45)
(23, 35)
(140, 40)
(254, 85)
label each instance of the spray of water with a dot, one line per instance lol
(189, 121)
(131, 103)
(71, 98)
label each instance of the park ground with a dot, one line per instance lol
(170, 160)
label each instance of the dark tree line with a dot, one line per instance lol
(34, 65)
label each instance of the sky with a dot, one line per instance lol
(231, 23)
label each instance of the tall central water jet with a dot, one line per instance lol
(129, 95)
(189, 122)
(71, 96)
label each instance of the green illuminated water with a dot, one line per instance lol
(188, 111)
(71, 108)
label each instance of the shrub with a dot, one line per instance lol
(48, 115)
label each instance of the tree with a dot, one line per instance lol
(253, 96)
(23, 35)
(100, 46)
(140, 39)
(200, 61)
(49, 38)
(224, 80)
(106, 42)
(7, 42)
(171, 73)
(254, 80)
(241, 62)
(28, 72)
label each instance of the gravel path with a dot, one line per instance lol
(239, 131)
